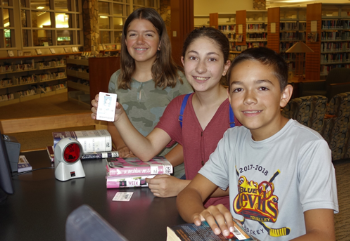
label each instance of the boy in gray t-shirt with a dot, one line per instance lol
(280, 174)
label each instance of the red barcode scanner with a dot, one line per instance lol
(68, 152)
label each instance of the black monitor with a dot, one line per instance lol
(6, 186)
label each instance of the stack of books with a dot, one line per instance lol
(96, 144)
(132, 172)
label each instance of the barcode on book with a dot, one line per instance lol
(238, 234)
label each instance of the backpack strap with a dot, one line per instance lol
(232, 118)
(183, 106)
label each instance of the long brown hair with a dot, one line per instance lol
(164, 71)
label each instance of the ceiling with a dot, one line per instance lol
(298, 3)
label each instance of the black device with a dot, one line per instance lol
(6, 186)
(84, 224)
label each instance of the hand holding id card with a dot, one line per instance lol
(106, 106)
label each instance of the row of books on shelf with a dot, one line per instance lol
(231, 36)
(31, 65)
(256, 45)
(227, 27)
(81, 81)
(333, 46)
(293, 26)
(340, 35)
(293, 36)
(288, 56)
(335, 58)
(79, 68)
(33, 90)
(285, 46)
(257, 36)
(239, 48)
(258, 27)
(325, 69)
(31, 79)
(335, 24)
(50, 64)
(234, 47)
(7, 97)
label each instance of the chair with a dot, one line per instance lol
(336, 129)
(337, 81)
(39, 128)
(307, 110)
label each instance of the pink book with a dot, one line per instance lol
(126, 167)
(124, 182)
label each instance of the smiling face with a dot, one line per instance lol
(204, 64)
(256, 98)
(142, 41)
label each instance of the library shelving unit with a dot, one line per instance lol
(335, 37)
(24, 78)
(331, 49)
(89, 76)
(256, 28)
(286, 26)
(227, 25)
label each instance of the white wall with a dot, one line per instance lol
(204, 7)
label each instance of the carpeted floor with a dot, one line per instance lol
(59, 104)
(52, 105)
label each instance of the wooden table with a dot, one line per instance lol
(39, 208)
(295, 81)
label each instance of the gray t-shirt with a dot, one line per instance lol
(144, 104)
(274, 181)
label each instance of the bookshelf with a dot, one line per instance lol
(335, 37)
(227, 25)
(331, 49)
(256, 28)
(89, 76)
(24, 78)
(291, 25)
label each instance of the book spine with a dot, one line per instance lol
(100, 155)
(136, 171)
(96, 144)
(125, 182)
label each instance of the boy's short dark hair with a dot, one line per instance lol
(265, 56)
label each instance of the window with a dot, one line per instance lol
(51, 22)
(7, 27)
(112, 15)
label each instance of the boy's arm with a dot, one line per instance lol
(190, 205)
(319, 225)
(143, 147)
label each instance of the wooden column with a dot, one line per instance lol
(90, 26)
(273, 39)
(241, 16)
(214, 20)
(182, 23)
(313, 60)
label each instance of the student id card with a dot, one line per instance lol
(106, 106)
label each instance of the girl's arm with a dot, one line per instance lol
(118, 142)
(144, 148)
(175, 156)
